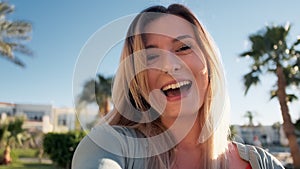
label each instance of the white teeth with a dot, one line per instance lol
(176, 85)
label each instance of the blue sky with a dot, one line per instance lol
(61, 29)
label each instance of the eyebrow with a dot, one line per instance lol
(179, 38)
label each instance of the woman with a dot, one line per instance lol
(170, 102)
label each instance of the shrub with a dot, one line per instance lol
(61, 146)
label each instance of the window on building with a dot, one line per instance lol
(34, 115)
(62, 120)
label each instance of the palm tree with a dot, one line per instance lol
(271, 53)
(12, 35)
(11, 131)
(297, 124)
(249, 115)
(276, 126)
(16, 131)
(103, 93)
(96, 91)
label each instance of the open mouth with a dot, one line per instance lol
(176, 89)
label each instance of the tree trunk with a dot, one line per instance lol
(104, 107)
(288, 126)
(78, 110)
(101, 111)
(6, 155)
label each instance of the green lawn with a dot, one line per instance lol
(18, 152)
(25, 153)
(18, 165)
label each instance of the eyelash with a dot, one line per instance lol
(151, 57)
(184, 48)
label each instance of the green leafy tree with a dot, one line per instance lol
(271, 53)
(13, 34)
(3, 131)
(61, 146)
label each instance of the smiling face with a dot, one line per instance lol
(177, 71)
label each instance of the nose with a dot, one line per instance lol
(171, 63)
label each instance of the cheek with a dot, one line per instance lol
(200, 60)
(195, 61)
(152, 76)
(202, 84)
(200, 74)
(202, 81)
(197, 68)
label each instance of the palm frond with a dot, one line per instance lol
(18, 29)
(297, 42)
(250, 79)
(291, 97)
(273, 94)
(88, 94)
(5, 8)
(248, 53)
(12, 36)
(20, 48)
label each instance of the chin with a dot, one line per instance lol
(178, 113)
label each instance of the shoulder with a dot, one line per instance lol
(233, 157)
(106, 147)
(257, 157)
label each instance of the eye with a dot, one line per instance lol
(183, 48)
(151, 57)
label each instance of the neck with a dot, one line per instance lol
(185, 129)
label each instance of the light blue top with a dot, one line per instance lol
(95, 151)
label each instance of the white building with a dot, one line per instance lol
(266, 134)
(64, 119)
(40, 117)
(7, 108)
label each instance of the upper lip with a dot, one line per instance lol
(174, 83)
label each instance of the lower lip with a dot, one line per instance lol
(179, 97)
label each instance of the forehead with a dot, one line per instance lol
(170, 25)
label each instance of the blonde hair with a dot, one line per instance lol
(130, 93)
